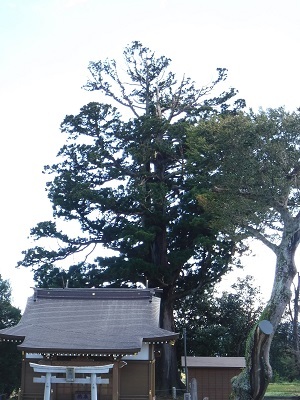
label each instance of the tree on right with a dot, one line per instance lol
(250, 162)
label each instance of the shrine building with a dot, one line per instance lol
(85, 344)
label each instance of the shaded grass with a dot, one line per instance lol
(284, 389)
(279, 389)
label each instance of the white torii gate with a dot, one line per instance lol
(70, 376)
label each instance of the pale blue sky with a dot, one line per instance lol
(45, 47)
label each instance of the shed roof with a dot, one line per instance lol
(214, 362)
(98, 321)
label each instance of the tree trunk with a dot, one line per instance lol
(295, 322)
(252, 383)
(167, 374)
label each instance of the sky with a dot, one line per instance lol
(45, 48)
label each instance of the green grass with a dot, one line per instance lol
(284, 389)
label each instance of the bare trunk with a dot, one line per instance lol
(295, 322)
(252, 383)
(167, 374)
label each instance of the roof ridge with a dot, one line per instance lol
(95, 293)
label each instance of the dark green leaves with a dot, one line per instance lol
(10, 357)
(125, 182)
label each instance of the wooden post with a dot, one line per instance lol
(151, 379)
(25, 366)
(115, 381)
(152, 372)
(47, 390)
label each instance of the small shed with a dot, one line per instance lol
(80, 344)
(213, 375)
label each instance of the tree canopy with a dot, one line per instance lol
(250, 163)
(121, 178)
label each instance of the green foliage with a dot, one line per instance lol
(10, 357)
(121, 181)
(125, 185)
(219, 325)
(282, 354)
(252, 168)
(251, 165)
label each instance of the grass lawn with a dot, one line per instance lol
(284, 389)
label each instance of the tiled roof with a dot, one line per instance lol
(100, 321)
(213, 362)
